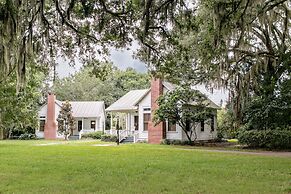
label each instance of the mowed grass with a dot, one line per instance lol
(80, 167)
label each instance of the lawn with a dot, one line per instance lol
(81, 167)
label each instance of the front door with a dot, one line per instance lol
(136, 123)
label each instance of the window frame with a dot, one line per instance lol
(212, 123)
(146, 122)
(93, 124)
(169, 124)
(42, 127)
(78, 125)
(202, 126)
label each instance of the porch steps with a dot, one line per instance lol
(127, 140)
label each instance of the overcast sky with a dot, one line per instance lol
(123, 59)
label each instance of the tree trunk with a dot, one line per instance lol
(1, 129)
(189, 137)
(1, 133)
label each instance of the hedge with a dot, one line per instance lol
(109, 138)
(271, 139)
(93, 135)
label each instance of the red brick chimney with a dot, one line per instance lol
(50, 128)
(156, 133)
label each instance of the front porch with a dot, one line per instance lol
(128, 125)
(86, 125)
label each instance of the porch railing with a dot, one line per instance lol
(135, 136)
(123, 134)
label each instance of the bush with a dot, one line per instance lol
(174, 142)
(271, 139)
(27, 136)
(109, 138)
(93, 135)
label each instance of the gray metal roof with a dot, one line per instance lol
(80, 108)
(128, 101)
(87, 108)
(169, 85)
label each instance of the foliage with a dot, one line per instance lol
(93, 135)
(108, 138)
(27, 136)
(66, 121)
(18, 110)
(270, 112)
(272, 139)
(241, 45)
(226, 123)
(84, 86)
(174, 142)
(34, 31)
(185, 107)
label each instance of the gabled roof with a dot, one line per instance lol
(128, 101)
(131, 99)
(169, 86)
(80, 108)
(87, 108)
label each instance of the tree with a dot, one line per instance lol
(241, 45)
(19, 110)
(40, 31)
(185, 107)
(85, 86)
(270, 112)
(66, 121)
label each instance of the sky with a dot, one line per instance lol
(123, 59)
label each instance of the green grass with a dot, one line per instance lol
(79, 167)
(232, 140)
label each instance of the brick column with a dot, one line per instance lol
(155, 133)
(50, 128)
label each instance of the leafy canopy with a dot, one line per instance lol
(66, 121)
(84, 86)
(185, 107)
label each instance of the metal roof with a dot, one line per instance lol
(87, 108)
(128, 101)
(80, 108)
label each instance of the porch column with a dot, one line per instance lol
(111, 121)
(126, 122)
(129, 121)
(96, 125)
(82, 123)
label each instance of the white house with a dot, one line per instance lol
(89, 116)
(137, 107)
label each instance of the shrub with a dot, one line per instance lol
(271, 139)
(93, 135)
(27, 136)
(109, 138)
(174, 142)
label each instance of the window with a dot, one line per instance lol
(80, 124)
(136, 123)
(188, 123)
(93, 124)
(202, 125)
(147, 109)
(212, 123)
(171, 126)
(41, 125)
(146, 119)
